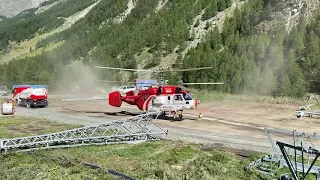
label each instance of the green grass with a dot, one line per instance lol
(208, 96)
(15, 126)
(151, 160)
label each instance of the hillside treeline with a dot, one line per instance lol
(27, 25)
(114, 44)
(245, 59)
(248, 61)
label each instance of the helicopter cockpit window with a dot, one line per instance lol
(178, 98)
(187, 97)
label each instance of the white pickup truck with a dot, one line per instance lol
(125, 89)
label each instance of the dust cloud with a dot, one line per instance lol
(82, 80)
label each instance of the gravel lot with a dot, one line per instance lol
(229, 124)
(208, 131)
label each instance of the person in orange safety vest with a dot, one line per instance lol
(196, 102)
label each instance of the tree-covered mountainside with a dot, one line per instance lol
(246, 57)
(26, 25)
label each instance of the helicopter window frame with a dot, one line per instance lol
(187, 97)
(176, 97)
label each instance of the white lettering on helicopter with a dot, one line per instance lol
(130, 100)
(168, 90)
(152, 110)
(163, 108)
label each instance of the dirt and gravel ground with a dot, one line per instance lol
(233, 124)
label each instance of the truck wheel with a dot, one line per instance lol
(28, 104)
(180, 116)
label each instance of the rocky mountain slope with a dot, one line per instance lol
(10, 8)
(289, 13)
(247, 42)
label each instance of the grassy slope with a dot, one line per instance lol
(152, 160)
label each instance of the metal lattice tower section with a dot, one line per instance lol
(138, 128)
(269, 163)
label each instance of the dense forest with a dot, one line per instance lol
(278, 63)
(245, 59)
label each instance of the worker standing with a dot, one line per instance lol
(196, 102)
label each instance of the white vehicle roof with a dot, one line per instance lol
(129, 86)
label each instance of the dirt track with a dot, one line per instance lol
(229, 124)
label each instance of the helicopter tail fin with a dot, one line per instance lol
(115, 99)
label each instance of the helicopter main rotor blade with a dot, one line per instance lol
(190, 69)
(148, 70)
(124, 69)
(113, 81)
(107, 81)
(89, 98)
(123, 82)
(201, 83)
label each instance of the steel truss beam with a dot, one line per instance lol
(277, 157)
(293, 170)
(137, 128)
(295, 134)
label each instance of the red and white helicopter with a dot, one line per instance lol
(165, 99)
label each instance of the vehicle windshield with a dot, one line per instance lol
(187, 97)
